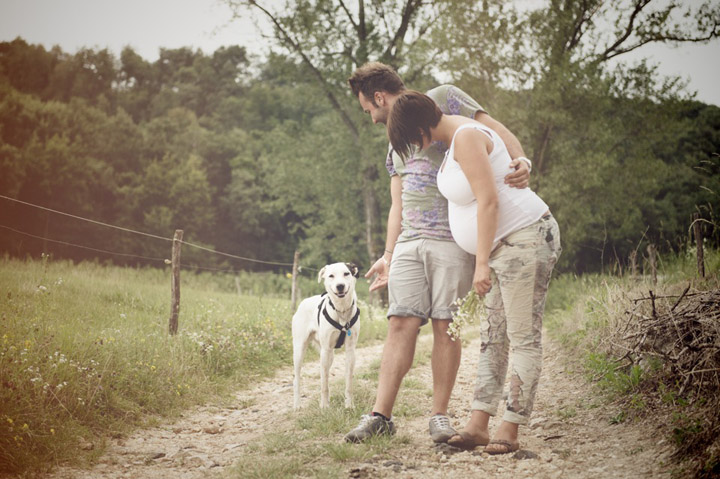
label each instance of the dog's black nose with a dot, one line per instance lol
(340, 288)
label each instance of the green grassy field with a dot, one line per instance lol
(85, 354)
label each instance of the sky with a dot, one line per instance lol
(148, 25)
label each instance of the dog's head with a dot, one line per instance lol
(339, 278)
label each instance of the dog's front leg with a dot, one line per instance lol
(298, 356)
(349, 369)
(326, 359)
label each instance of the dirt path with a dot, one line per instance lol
(566, 438)
(211, 438)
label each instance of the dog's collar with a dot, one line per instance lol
(341, 311)
(344, 329)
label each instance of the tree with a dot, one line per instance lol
(600, 131)
(330, 39)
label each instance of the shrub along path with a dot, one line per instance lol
(258, 435)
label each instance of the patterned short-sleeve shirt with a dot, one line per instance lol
(424, 209)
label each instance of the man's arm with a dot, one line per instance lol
(382, 266)
(521, 177)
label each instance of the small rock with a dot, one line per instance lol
(212, 429)
(156, 455)
(87, 446)
(446, 449)
(362, 472)
(525, 454)
(177, 430)
(194, 461)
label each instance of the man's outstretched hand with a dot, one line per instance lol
(380, 269)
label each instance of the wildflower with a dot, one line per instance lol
(288, 275)
(468, 308)
(52, 431)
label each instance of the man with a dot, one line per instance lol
(429, 270)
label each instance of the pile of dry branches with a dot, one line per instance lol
(682, 335)
(683, 332)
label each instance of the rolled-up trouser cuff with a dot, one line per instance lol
(442, 314)
(514, 418)
(509, 416)
(400, 311)
(485, 407)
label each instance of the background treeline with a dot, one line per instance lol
(248, 156)
(245, 158)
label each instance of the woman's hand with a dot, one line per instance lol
(481, 279)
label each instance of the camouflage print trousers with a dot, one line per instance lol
(521, 265)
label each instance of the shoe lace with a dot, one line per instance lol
(365, 419)
(440, 421)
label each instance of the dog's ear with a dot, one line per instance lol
(353, 269)
(321, 274)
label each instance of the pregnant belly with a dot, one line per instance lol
(463, 225)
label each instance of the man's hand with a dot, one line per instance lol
(520, 178)
(381, 269)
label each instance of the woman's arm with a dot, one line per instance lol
(472, 149)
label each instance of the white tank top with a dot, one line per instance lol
(517, 208)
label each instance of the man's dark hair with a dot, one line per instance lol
(375, 76)
(412, 115)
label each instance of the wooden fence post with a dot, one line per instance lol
(294, 295)
(175, 282)
(697, 229)
(652, 258)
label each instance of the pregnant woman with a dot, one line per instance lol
(516, 243)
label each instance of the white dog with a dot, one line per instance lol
(331, 321)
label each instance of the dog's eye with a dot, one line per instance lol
(347, 274)
(331, 276)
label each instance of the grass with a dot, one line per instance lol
(85, 353)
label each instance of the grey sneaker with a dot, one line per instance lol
(440, 428)
(370, 426)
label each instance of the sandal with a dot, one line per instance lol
(466, 442)
(507, 447)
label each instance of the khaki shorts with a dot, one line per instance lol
(426, 277)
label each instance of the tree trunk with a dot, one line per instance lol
(372, 214)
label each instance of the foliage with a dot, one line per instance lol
(607, 138)
(259, 158)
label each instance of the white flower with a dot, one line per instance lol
(468, 309)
